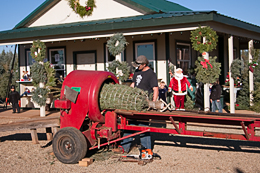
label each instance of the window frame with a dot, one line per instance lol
(190, 52)
(64, 58)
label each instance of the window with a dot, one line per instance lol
(148, 50)
(30, 60)
(84, 60)
(57, 60)
(183, 54)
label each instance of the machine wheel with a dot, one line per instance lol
(69, 145)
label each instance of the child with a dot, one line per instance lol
(14, 97)
(163, 91)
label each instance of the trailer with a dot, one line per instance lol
(84, 126)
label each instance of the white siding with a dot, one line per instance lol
(105, 9)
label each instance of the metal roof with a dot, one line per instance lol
(151, 20)
(158, 5)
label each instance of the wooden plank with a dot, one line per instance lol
(83, 163)
(34, 136)
(90, 160)
(29, 125)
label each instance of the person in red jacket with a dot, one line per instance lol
(179, 88)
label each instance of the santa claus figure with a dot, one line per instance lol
(179, 88)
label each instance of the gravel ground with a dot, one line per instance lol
(179, 154)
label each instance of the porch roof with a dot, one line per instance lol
(151, 20)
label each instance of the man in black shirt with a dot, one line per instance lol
(144, 78)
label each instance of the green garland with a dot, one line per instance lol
(120, 66)
(197, 39)
(81, 10)
(40, 95)
(50, 74)
(116, 44)
(38, 73)
(207, 75)
(38, 50)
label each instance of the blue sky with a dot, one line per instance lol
(13, 11)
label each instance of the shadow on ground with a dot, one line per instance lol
(22, 137)
(206, 143)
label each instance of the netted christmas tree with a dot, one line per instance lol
(208, 72)
(114, 96)
(41, 73)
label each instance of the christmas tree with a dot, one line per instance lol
(189, 104)
(6, 59)
(256, 94)
(243, 100)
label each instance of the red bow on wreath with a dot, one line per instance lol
(88, 8)
(204, 63)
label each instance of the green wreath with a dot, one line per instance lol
(116, 44)
(39, 96)
(81, 10)
(38, 50)
(197, 39)
(123, 66)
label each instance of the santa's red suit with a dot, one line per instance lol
(179, 90)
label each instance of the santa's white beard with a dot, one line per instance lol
(179, 76)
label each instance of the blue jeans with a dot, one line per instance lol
(145, 138)
(218, 104)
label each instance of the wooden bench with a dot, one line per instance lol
(45, 122)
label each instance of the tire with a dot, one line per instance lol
(69, 145)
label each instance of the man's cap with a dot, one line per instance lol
(12, 87)
(140, 60)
